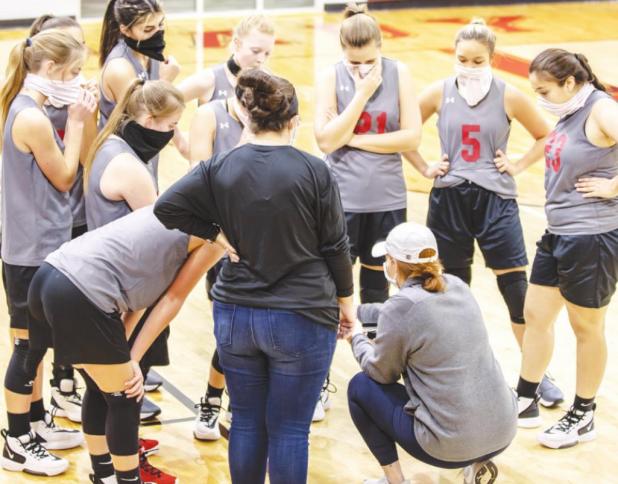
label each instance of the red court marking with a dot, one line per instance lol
(221, 38)
(392, 32)
(501, 23)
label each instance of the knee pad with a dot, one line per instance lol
(215, 363)
(94, 407)
(464, 273)
(513, 286)
(373, 286)
(122, 423)
(22, 368)
(61, 372)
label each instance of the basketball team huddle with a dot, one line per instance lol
(97, 262)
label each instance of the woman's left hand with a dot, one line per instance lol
(597, 187)
(134, 388)
(231, 251)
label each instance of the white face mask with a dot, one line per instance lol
(388, 277)
(569, 107)
(59, 93)
(362, 69)
(473, 83)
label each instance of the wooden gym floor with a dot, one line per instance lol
(422, 38)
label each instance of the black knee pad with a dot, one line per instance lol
(62, 372)
(373, 286)
(21, 371)
(464, 273)
(122, 423)
(513, 287)
(94, 407)
(215, 363)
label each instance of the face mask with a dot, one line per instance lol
(152, 47)
(233, 67)
(388, 277)
(362, 69)
(569, 107)
(147, 143)
(59, 93)
(473, 83)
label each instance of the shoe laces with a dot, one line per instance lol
(148, 467)
(570, 419)
(208, 411)
(329, 387)
(36, 449)
(75, 397)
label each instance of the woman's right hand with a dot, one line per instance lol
(347, 316)
(85, 106)
(135, 386)
(440, 168)
(367, 85)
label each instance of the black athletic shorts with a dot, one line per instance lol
(583, 267)
(365, 229)
(17, 281)
(158, 353)
(78, 231)
(464, 213)
(65, 319)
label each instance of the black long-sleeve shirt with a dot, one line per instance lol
(280, 208)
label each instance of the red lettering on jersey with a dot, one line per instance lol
(365, 123)
(553, 148)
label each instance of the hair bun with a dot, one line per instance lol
(352, 9)
(478, 21)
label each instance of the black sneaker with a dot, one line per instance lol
(481, 473)
(529, 416)
(574, 427)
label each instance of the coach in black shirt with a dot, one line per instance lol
(277, 309)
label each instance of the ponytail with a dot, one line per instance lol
(592, 78)
(430, 273)
(110, 32)
(15, 76)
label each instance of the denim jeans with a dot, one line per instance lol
(378, 413)
(275, 362)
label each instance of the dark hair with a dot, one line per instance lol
(49, 21)
(270, 100)
(477, 30)
(560, 64)
(359, 28)
(430, 273)
(122, 12)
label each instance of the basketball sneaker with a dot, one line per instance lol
(149, 446)
(551, 395)
(324, 402)
(104, 480)
(53, 437)
(149, 409)
(575, 426)
(529, 416)
(481, 473)
(151, 475)
(25, 453)
(65, 400)
(207, 420)
(153, 382)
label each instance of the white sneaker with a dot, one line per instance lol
(484, 472)
(576, 426)
(324, 402)
(207, 420)
(25, 453)
(104, 480)
(53, 437)
(66, 401)
(529, 416)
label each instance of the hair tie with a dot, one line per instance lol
(28, 42)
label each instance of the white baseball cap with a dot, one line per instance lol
(405, 243)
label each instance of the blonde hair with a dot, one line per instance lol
(430, 272)
(28, 56)
(359, 28)
(261, 23)
(157, 98)
(477, 30)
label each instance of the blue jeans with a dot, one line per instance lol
(378, 413)
(275, 362)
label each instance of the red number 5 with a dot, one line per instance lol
(470, 155)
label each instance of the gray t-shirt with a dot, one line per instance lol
(125, 265)
(59, 118)
(36, 218)
(370, 182)
(228, 130)
(462, 406)
(470, 136)
(100, 210)
(570, 156)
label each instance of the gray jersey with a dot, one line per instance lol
(223, 88)
(470, 136)
(569, 155)
(125, 265)
(228, 130)
(370, 182)
(123, 51)
(59, 119)
(99, 209)
(36, 218)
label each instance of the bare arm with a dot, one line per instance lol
(198, 86)
(116, 79)
(202, 134)
(127, 178)
(408, 137)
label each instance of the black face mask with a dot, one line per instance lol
(152, 47)
(147, 143)
(233, 67)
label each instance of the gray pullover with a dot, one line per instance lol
(462, 405)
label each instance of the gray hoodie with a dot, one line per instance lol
(463, 407)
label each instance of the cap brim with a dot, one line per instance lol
(379, 249)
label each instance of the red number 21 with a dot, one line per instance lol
(473, 154)
(365, 123)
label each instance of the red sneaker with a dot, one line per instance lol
(151, 475)
(149, 446)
